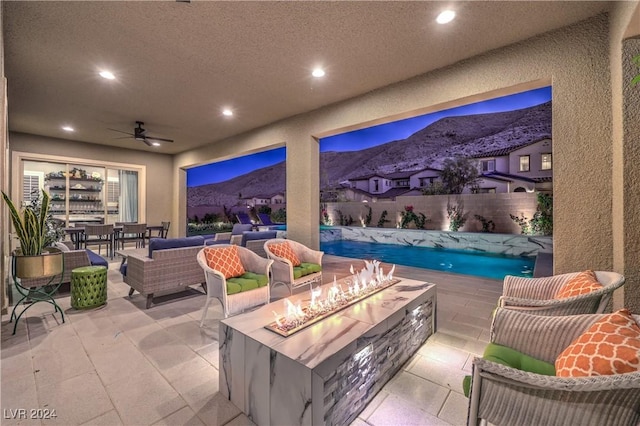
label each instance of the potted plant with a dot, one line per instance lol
(34, 259)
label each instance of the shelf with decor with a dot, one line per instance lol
(76, 193)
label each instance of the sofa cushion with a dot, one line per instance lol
(583, 283)
(610, 346)
(171, 243)
(61, 246)
(257, 235)
(285, 251)
(238, 285)
(224, 260)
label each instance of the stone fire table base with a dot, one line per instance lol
(328, 372)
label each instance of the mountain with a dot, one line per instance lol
(448, 137)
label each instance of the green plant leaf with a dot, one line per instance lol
(31, 227)
(635, 80)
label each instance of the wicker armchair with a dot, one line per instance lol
(507, 396)
(536, 295)
(283, 272)
(217, 284)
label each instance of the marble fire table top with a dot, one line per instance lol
(316, 343)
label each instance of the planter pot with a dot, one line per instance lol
(44, 265)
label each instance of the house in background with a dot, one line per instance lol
(527, 167)
(264, 200)
(521, 168)
(278, 198)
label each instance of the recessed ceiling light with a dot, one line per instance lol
(227, 112)
(446, 17)
(108, 75)
(318, 72)
(68, 129)
(155, 143)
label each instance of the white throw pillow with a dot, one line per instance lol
(61, 246)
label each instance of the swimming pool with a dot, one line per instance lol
(485, 265)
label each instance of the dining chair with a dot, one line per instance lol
(165, 229)
(99, 235)
(132, 232)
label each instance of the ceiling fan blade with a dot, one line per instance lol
(147, 142)
(159, 139)
(120, 131)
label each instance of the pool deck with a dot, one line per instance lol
(110, 358)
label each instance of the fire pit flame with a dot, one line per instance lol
(362, 284)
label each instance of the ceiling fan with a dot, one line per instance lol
(140, 134)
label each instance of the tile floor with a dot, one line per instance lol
(125, 365)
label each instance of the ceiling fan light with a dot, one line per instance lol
(155, 143)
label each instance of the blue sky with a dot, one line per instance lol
(401, 129)
(364, 138)
(228, 169)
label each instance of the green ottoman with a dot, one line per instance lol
(88, 287)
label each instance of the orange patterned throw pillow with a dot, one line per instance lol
(284, 250)
(583, 283)
(224, 260)
(609, 346)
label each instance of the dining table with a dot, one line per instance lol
(76, 232)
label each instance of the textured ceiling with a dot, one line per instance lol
(177, 64)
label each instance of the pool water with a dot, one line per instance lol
(486, 265)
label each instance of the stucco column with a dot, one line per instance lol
(303, 190)
(627, 257)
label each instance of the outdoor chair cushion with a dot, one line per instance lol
(305, 269)
(225, 260)
(512, 358)
(610, 346)
(583, 283)
(245, 282)
(285, 251)
(261, 279)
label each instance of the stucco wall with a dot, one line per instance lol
(158, 173)
(625, 23)
(573, 59)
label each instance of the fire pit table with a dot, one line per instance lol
(327, 372)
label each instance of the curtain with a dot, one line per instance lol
(128, 201)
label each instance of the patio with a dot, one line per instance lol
(123, 364)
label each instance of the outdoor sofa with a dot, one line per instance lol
(167, 265)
